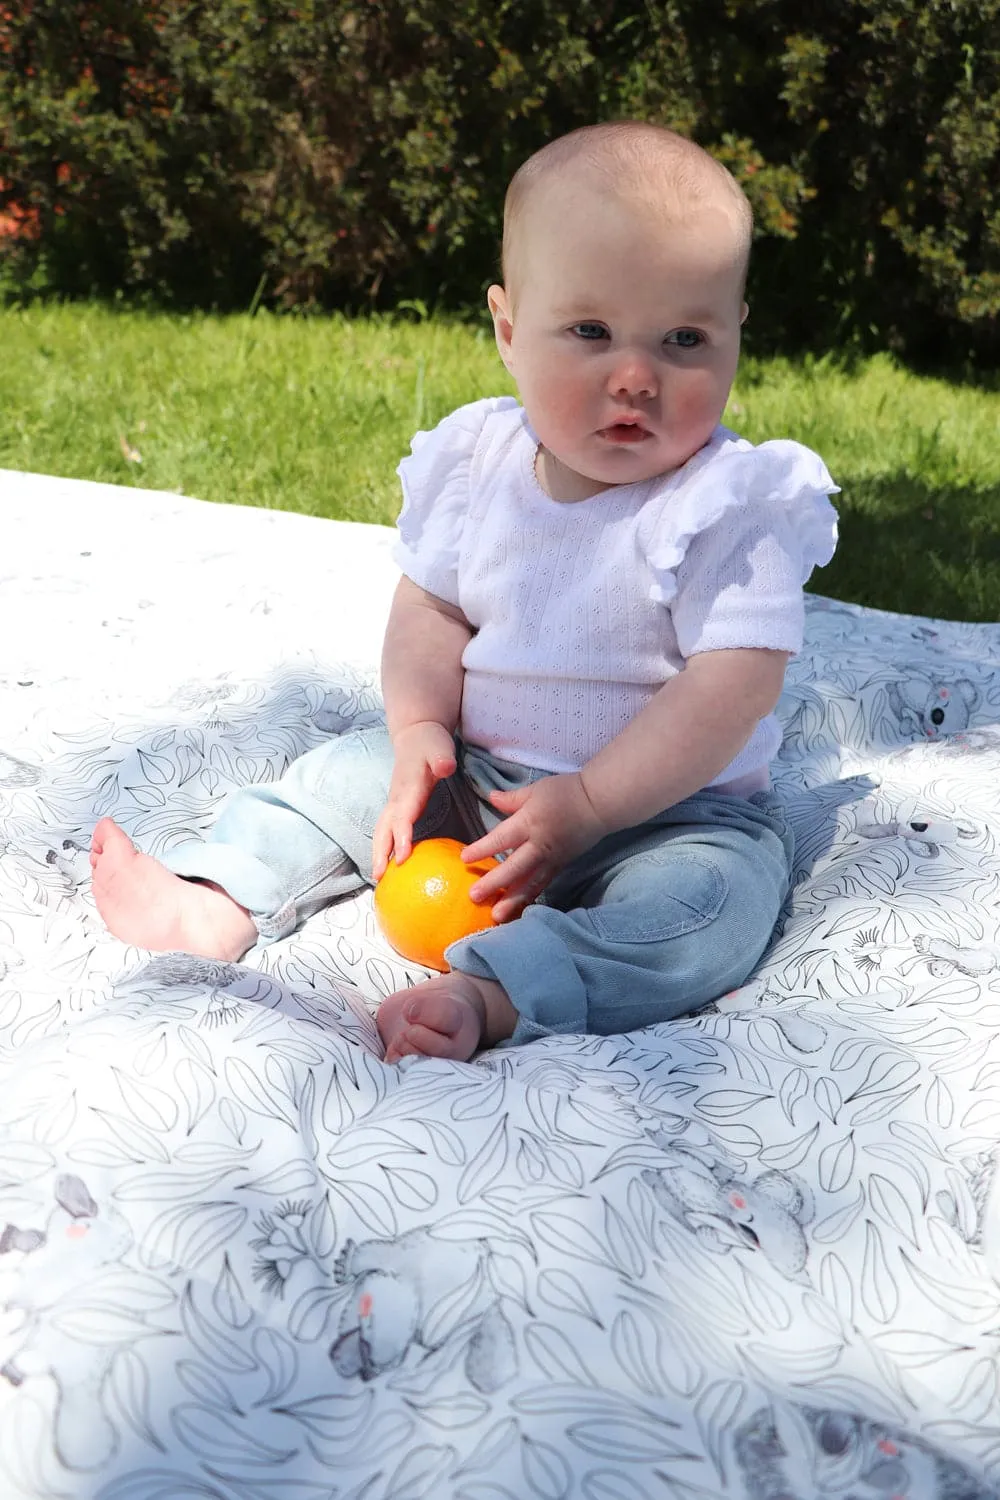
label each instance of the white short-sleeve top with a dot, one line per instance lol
(582, 610)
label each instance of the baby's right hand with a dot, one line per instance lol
(424, 754)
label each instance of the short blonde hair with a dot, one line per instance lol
(648, 164)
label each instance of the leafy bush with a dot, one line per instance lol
(357, 151)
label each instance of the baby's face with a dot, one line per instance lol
(622, 333)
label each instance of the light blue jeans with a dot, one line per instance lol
(650, 923)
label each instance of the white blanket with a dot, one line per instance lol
(754, 1253)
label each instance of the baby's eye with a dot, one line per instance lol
(685, 338)
(590, 330)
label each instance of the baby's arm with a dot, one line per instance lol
(687, 733)
(422, 688)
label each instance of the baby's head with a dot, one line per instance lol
(624, 259)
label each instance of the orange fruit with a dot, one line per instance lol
(423, 904)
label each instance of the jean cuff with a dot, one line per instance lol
(535, 968)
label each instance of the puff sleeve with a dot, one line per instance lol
(737, 548)
(436, 479)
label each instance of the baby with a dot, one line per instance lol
(601, 590)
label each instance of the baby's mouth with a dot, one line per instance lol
(625, 432)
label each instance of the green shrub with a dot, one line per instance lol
(356, 152)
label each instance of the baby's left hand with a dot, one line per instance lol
(548, 824)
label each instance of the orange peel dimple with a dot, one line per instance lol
(423, 904)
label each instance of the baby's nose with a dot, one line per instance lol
(634, 376)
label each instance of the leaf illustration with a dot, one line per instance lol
(444, 1316)
(133, 1136)
(570, 1238)
(167, 1187)
(891, 1206)
(636, 1344)
(880, 1106)
(228, 1299)
(420, 1472)
(879, 1291)
(507, 1278)
(767, 1306)
(885, 1075)
(909, 1162)
(369, 1204)
(453, 1412)
(322, 1228)
(232, 1118)
(612, 1484)
(447, 1143)
(188, 1234)
(22, 1162)
(828, 1097)
(217, 1438)
(211, 1341)
(277, 1358)
(130, 1385)
(554, 1355)
(491, 1447)
(627, 1439)
(836, 1164)
(546, 1472)
(411, 1189)
(565, 1293)
(980, 1391)
(196, 1086)
(789, 1154)
(486, 1165)
(290, 1178)
(960, 1298)
(725, 1104)
(312, 1315)
(336, 1419)
(479, 1102)
(848, 1055)
(794, 1087)
(359, 1148)
(940, 1104)
(205, 1386)
(913, 1348)
(160, 1484)
(250, 1090)
(837, 1287)
(622, 1243)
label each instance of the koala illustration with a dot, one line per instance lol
(400, 1292)
(51, 1269)
(72, 860)
(932, 707)
(922, 835)
(944, 958)
(790, 1452)
(727, 1213)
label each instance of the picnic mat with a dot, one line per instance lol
(754, 1253)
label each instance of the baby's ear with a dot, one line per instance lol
(744, 313)
(503, 326)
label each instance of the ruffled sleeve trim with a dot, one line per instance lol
(436, 480)
(736, 488)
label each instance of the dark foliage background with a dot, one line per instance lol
(355, 152)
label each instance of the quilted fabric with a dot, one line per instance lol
(755, 1253)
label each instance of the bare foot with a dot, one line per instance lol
(449, 1016)
(144, 903)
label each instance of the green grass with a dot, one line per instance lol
(313, 415)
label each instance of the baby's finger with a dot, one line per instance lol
(381, 848)
(518, 873)
(498, 841)
(402, 840)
